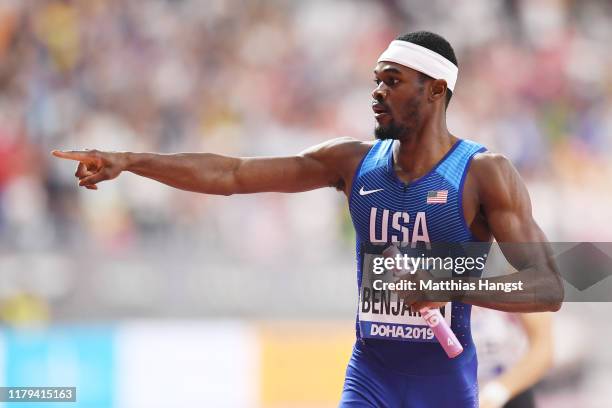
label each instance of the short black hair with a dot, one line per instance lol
(437, 44)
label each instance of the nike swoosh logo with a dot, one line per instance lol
(366, 192)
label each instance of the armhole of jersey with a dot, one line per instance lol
(460, 193)
(356, 173)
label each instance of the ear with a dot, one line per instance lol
(437, 90)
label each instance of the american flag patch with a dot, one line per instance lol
(437, 197)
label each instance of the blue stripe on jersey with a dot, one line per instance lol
(379, 194)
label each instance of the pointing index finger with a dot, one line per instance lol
(82, 156)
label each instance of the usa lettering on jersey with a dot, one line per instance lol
(399, 230)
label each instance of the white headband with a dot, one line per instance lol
(421, 59)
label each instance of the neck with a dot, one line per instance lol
(415, 155)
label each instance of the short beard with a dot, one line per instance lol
(391, 132)
(397, 132)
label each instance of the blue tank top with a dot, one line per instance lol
(386, 210)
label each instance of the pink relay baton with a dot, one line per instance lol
(433, 318)
(442, 331)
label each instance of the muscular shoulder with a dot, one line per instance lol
(341, 156)
(491, 167)
(495, 178)
(339, 148)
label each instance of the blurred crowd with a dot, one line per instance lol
(269, 77)
(273, 77)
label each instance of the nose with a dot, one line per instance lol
(379, 92)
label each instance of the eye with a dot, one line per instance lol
(388, 81)
(392, 81)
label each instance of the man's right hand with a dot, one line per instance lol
(95, 166)
(329, 164)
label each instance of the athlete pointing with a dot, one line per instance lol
(417, 183)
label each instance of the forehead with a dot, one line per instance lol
(383, 67)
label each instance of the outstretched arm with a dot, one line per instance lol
(327, 164)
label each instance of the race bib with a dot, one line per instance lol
(383, 313)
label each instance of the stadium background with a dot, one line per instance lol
(143, 296)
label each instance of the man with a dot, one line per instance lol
(416, 184)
